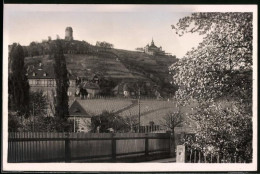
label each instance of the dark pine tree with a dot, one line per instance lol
(18, 86)
(62, 85)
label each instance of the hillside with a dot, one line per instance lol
(114, 64)
(150, 109)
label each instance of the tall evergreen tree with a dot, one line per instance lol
(18, 86)
(62, 84)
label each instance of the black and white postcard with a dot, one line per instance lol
(129, 87)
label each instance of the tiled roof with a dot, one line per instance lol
(77, 110)
(39, 72)
(43, 71)
(89, 85)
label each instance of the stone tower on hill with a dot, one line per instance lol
(69, 34)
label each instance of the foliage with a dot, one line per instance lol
(104, 44)
(106, 86)
(225, 129)
(18, 86)
(38, 103)
(222, 64)
(13, 122)
(140, 49)
(62, 82)
(37, 120)
(218, 74)
(172, 120)
(132, 122)
(107, 120)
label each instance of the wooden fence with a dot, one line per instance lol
(84, 147)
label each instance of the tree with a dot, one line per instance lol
(172, 120)
(18, 86)
(140, 49)
(33, 49)
(222, 64)
(218, 73)
(38, 112)
(104, 44)
(107, 120)
(225, 129)
(62, 84)
(132, 122)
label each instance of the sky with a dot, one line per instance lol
(125, 26)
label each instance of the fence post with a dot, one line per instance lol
(146, 145)
(170, 148)
(190, 155)
(171, 143)
(67, 148)
(113, 147)
(181, 154)
(195, 156)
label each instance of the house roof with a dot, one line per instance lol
(38, 72)
(89, 85)
(77, 110)
(43, 71)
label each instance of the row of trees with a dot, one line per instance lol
(104, 44)
(25, 106)
(43, 48)
(218, 75)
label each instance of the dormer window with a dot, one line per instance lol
(34, 74)
(40, 66)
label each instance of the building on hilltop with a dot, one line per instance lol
(69, 34)
(153, 49)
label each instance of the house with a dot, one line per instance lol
(92, 89)
(42, 78)
(124, 89)
(153, 49)
(95, 78)
(80, 117)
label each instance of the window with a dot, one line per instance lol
(50, 83)
(37, 82)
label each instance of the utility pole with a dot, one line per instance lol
(74, 124)
(33, 116)
(139, 115)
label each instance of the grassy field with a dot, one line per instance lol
(150, 109)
